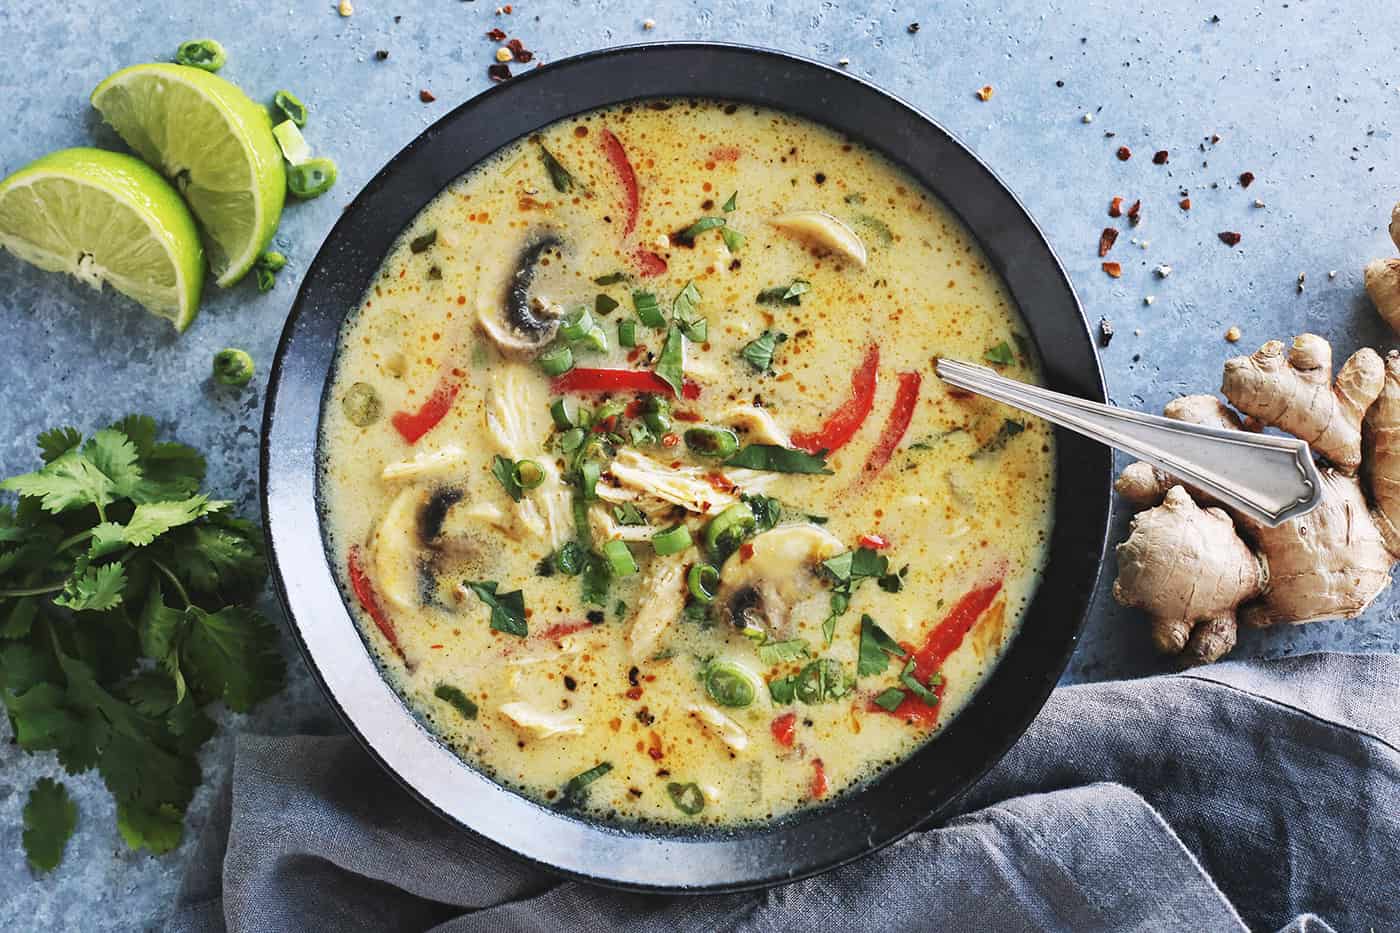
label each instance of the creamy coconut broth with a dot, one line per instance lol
(707, 606)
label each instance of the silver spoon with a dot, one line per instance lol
(1269, 478)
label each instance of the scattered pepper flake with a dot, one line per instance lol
(1088, 118)
(426, 96)
(518, 49)
(1105, 332)
(382, 54)
(498, 72)
(1115, 207)
(1230, 238)
(1246, 179)
(1124, 153)
(843, 61)
(1163, 271)
(1160, 157)
(1106, 240)
(1148, 299)
(1114, 270)
(1302, 277)
(1258, 203)
(496, 34)
(985, 92)
(912, 28)
(1233, 335)
(1135, 212)
(1184, 204)
(648, 24)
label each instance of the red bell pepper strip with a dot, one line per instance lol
(413, 425)
(937, 646)
(819, 783)
(846, 420)
(619, 380)
(626, 177)
(648, 263)
(784, 729)
(905, 399)
(364, 592)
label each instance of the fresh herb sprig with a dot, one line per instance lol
(112, 558)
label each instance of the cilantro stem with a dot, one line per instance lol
(174, 580)
(68, 542)
(30, 591)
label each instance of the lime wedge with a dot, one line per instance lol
(215, 144)
(106, 217)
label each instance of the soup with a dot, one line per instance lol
(639, 480)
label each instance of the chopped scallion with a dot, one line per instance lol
(648, 311)
(671, 541)
(563, 418)
(627, 333)
(557, 360)
(621, 563)
(703, 582)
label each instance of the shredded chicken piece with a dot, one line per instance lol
(687, 487)
(607, 528)
(538, 723)
(426, 465)
(515, 422)
(395, 546)
(720, 726)
(664, 586)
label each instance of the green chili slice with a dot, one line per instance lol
(291, 106)
(687, 797)
(712, 442)
(205, 54)
(311, 178)
(727, 529)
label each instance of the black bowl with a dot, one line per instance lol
(853, 824)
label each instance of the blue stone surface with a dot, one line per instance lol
(1303, 94)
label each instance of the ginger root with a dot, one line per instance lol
(1196, 572)
(1383, 278)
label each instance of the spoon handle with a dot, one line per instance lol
(1271, 479)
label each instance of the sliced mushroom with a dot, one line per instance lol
(824, 230)
(759, 586)
(519, 323)
(663, 590)
(720, 726)
(540, 724)
(756, 423)
(426, 464)
(397, 549)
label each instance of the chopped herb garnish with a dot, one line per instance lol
(688, 235)
(790, 294)
(875, 648)
(687, 797)
(504, 471)
(648, 311)
(568, 560)
(783, 690)
(891, 582)
(456, 699)
(855, 198)
(730, 684)
(620, 609)
(821, 680)
(758, 352)
(604, 305)
(685, 314)
(507, 609)
(1005, 433)
(420, 244)
(574, 790)
(732, 204)
(767, 511)
(628, 514)
(889, 699)
(733, 239)
(781, 652)
(876, 227)
(1001, 354)
(775, 459)
(907, 678)
(670, 366)
(626, 333)
(558, 175)
(852, 566)
(697, 613)
(612, 278)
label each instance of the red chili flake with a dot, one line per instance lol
(1246, 179)
(1184, 204)
(1124, 153)
(517, 48)
(1159, 157)
(655, 750)
(634, 694)
(874, 542)
(498, 72)
(783, 729)
(1115, 207)
(720, 482)
(819, 782)
(1105, 332)
(1114, 270)
(507, 9)
(435, 647)
(690, 416)
(496, 35)
(1134, 212)
(1106, 240)
(1229, 238)
(746, 552)
(426, 96)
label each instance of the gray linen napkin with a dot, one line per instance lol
(1260, 795)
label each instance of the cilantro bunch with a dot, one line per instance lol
(121, 615)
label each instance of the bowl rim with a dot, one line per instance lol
(813, 840)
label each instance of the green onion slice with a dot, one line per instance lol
(703, 581)
(672, 540)
(621, 563)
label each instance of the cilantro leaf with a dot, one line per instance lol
(69, 482)
(889, 699)
(670, 366)
(218, 554)
(504, 470)
(758, 352)
(507, 609)
(170, 471)
(159, 828)
(875, 648)
(49, 819)
(56, 442)
(94, 587)
(1001, 355)
(908, 678)
(149, 521)
(113, 453)
(232, 655)
(1005, 433)
(781, 652)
